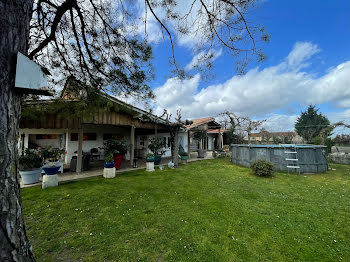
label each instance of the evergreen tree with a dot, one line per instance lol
(310, 123)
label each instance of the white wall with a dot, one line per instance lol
(143, 149)
(124, 132)
(211, 141)
(60, 141)
(99, 130)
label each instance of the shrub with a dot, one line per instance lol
(30, 159)
(51, 154)
(109, 159)
(262, 168)
(114, 146)
(156, 144)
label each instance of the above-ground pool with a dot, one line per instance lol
(311, 158)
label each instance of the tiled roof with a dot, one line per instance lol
(200, 121)
(216, 131)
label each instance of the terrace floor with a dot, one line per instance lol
(96, 169)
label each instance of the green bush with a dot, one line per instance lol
(31, 159)
(156, 144)
(262, 168)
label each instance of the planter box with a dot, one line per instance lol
(30, 176)
(157, 159)
(118, 160)
(49, 170)
(109, 164)
(149, 166)
(49, 181)
(150, 159)
(109, 172)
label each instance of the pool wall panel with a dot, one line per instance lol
(311, 158)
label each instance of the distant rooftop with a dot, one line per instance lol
(206, 120)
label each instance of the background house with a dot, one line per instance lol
(213, 138)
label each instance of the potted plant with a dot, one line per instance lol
(183, 155)
(30, 166)
(149, 157)
(51, 157)
(156, 145)
(199, 136)
(150, 162)
(109, 166)
(109, 161)
(116, 148)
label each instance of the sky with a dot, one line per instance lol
(308, 62)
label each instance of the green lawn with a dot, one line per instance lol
(209, 210)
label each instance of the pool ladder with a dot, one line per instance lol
(292, 163)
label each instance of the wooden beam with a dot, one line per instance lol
(80, 150)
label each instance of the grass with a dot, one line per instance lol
(209, 210)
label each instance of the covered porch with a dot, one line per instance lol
(81, 137)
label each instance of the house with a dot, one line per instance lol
(79, 133)
(275, 138)
(213, 134)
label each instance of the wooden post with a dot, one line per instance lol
(66, 147)
(26, 141)
(80, 150)
(189, 143)
(132, 144)
(220, 140)
(20, 143)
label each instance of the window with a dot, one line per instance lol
(46, 136)
(86, 136)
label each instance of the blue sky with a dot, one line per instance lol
(308, 58)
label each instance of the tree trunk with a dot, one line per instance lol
(15, 16)
(176, 147)
(174, 137)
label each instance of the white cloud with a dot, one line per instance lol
(302, 51)
(260, 92)
(280, 122)
(175, 93)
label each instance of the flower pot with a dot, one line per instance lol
(157, 159)
(30, 176)
(51, 170)
(108, 164)
(118, 160)
(150, 159)
(201, 153)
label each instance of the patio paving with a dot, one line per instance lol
(96, 169)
